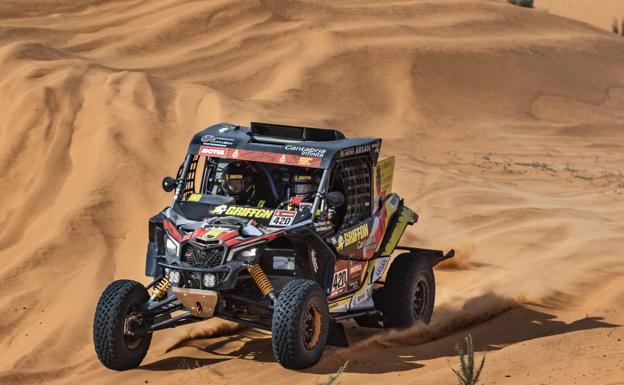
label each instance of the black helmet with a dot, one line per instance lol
(304, 184)
(238, 182)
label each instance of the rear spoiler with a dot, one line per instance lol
(435, 256)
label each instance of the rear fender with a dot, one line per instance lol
(396, 227)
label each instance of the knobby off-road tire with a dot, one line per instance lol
(114, 349)
(409, 292)
(300, 324)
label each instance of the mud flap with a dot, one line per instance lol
(337, 336)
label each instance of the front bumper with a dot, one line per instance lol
(226, 275)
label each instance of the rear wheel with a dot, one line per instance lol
(300, 324)
(409, 292)
(119, 342)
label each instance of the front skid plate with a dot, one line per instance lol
(201, 303)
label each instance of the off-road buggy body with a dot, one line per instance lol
(296, 270)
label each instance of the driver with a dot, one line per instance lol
(238, 183)
(303, 187)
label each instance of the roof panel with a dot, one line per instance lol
(229, 141)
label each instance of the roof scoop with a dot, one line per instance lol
(280, 134)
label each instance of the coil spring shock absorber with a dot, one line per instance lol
(160, 289)
(261, 280)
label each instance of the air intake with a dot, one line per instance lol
(264, 132)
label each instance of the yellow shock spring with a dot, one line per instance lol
(161, 288)
(261, 279)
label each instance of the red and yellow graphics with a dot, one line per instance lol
(354, 278)
(363, 240)
(260, 156)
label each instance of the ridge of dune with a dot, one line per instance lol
(507, 125)
(597, 13)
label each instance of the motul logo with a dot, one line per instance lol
(211, 151)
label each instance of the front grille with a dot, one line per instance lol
(221, 276)
(203, 257)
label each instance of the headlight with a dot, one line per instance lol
(210, 280)
(174, 277)
(247, 254)
(171, 246)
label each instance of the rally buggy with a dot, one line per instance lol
(297, 238)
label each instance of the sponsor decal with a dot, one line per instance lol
(366, 243)
(240, 211)
(212, 151)
(362, 149)
(306, 151)
(356, 268)
(363, 296)
(282, 218)
(314, 260)
(340, 242)
(352, 236)
(380, 267)
(347, 152)
(259, 156)
(322, 226)
(219, 210)
(217, 141)
(365, 148)
(338, 307)
(283, 263)
(194, 198)
(305, 161)
(222, 142)
(212, 233)
(340, 281)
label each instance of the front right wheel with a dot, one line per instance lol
(409, 292)
(300, 324)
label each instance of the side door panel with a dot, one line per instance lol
(358, 244)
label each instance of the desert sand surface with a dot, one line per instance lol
(508, 128)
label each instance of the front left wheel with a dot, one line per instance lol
(119, 344)
(300, 324)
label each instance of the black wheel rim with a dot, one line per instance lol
(421, 295)
(311, 327)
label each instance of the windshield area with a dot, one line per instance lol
(248, 183)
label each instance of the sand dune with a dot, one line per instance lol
(598, 13)
(507, 124)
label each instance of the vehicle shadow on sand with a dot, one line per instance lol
(248, 344)
(492, 320)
